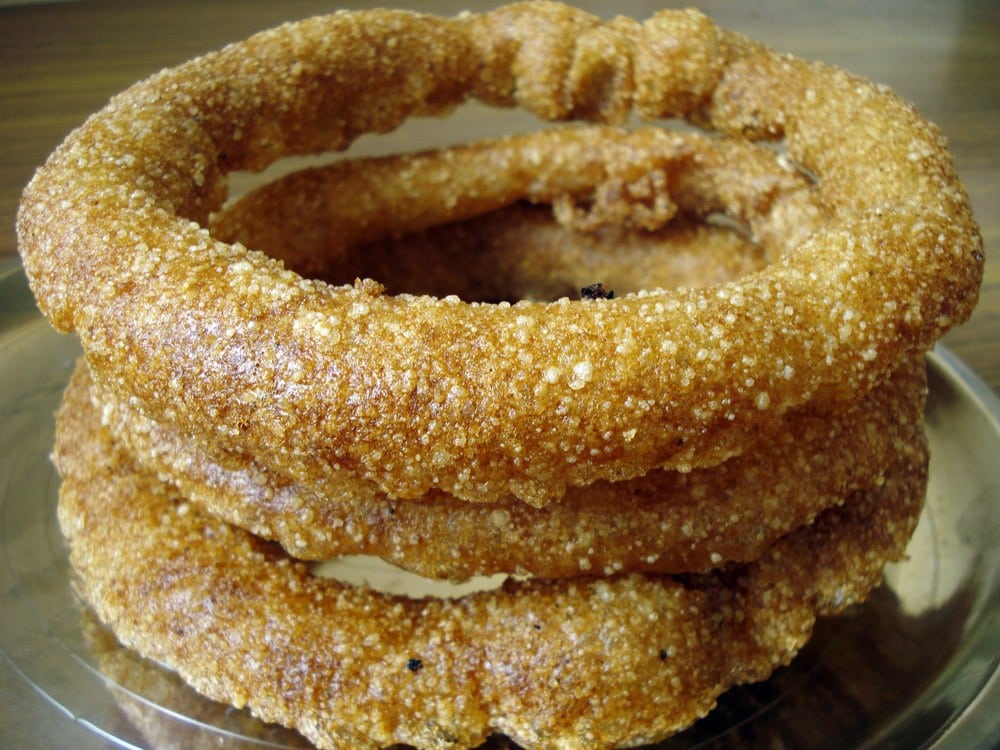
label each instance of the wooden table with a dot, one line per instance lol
(61, 61)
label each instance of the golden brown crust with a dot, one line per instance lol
(168, 713)
(587, 663)
(661, 522)
(227, 345)
(594, 178)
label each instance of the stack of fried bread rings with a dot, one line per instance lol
(679, 477)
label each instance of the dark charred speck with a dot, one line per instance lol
(596, 291)
(663, 654)
(414, 665)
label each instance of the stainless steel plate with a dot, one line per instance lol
(915, 667)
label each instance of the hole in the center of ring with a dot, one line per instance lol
(521, 252)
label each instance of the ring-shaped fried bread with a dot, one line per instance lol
(407, 394)
(664, 521)
(580, 663)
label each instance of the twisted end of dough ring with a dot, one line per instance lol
(482, 400)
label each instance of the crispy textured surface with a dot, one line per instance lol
(168, 713)
(587, 663)
(661, 522)
(597, 180)
(751, 424)
(405, 394)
